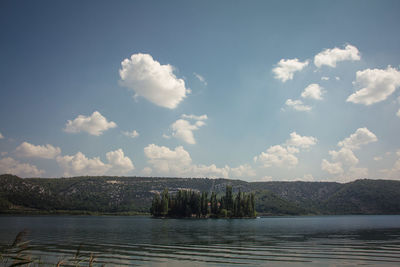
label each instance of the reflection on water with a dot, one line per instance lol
(271, 241)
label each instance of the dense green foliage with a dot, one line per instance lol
(365, 197)
(132, 195)
(268, 203)
(188, 203)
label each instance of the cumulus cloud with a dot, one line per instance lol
(329, 57)
(94, 124)
(178, 162)
(286, 68)
(376, 85)
(165, 160)
(344, 155)
(278, 156)
(1, 136)
(200, 78)
(153, 81)
(394, 172)
(119, 163)
(284, 155)
(12, 166)
(362, 136)
(332, 168)
(132, 134)
(313, 91)
(244, 170)
(324, 78)
(344, 160)
(183, 129)
(398, 113)
(297, 105)
(31, 151)
(79, 164)
(211, 171)
(301, 141)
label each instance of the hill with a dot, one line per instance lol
(109, 194)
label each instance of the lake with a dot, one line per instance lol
(268, 241)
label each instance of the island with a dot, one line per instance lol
(193, 204)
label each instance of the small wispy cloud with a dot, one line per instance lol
(132, 134)
(200, 78)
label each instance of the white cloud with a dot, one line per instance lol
(337, 78)
(307, 178)
(297, 105)
(301, 141)
(332, 168)
(278, 156)
(153, 81)
(211, 171)
(244, 170)
(132, 134)
(284, 155)
(313, 91)
(398, 113)
(376, 85)
(12, 166)
(147, 171)
(378, 158)
(183, 129)
(344, 161)
(79, 164)
(178, 162)
(344, 155)
(94, 124)
(362, 136)
(168, 161)
(324, 78)
(286, 68)
(120, 164)
(356, 173)
(166, 136)
(1, 136)
(394, 172)
(200, 78)
(46, 151)
(194, 117)
(265, 179)
(330, 57)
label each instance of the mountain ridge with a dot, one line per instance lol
(112, 194)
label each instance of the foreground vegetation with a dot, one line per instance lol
(18, 253)
(188, 203)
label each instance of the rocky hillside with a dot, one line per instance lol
(134, 194)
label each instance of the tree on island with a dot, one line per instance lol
(188, 203)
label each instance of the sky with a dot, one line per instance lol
(250, 90)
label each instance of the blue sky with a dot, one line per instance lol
(255, 90)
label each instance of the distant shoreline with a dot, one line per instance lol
(67, 212)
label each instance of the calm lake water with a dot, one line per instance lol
(269, 241)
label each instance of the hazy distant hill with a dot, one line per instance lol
(134, 194)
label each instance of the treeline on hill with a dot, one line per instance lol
(188, 203)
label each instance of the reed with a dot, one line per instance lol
(19, 254)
